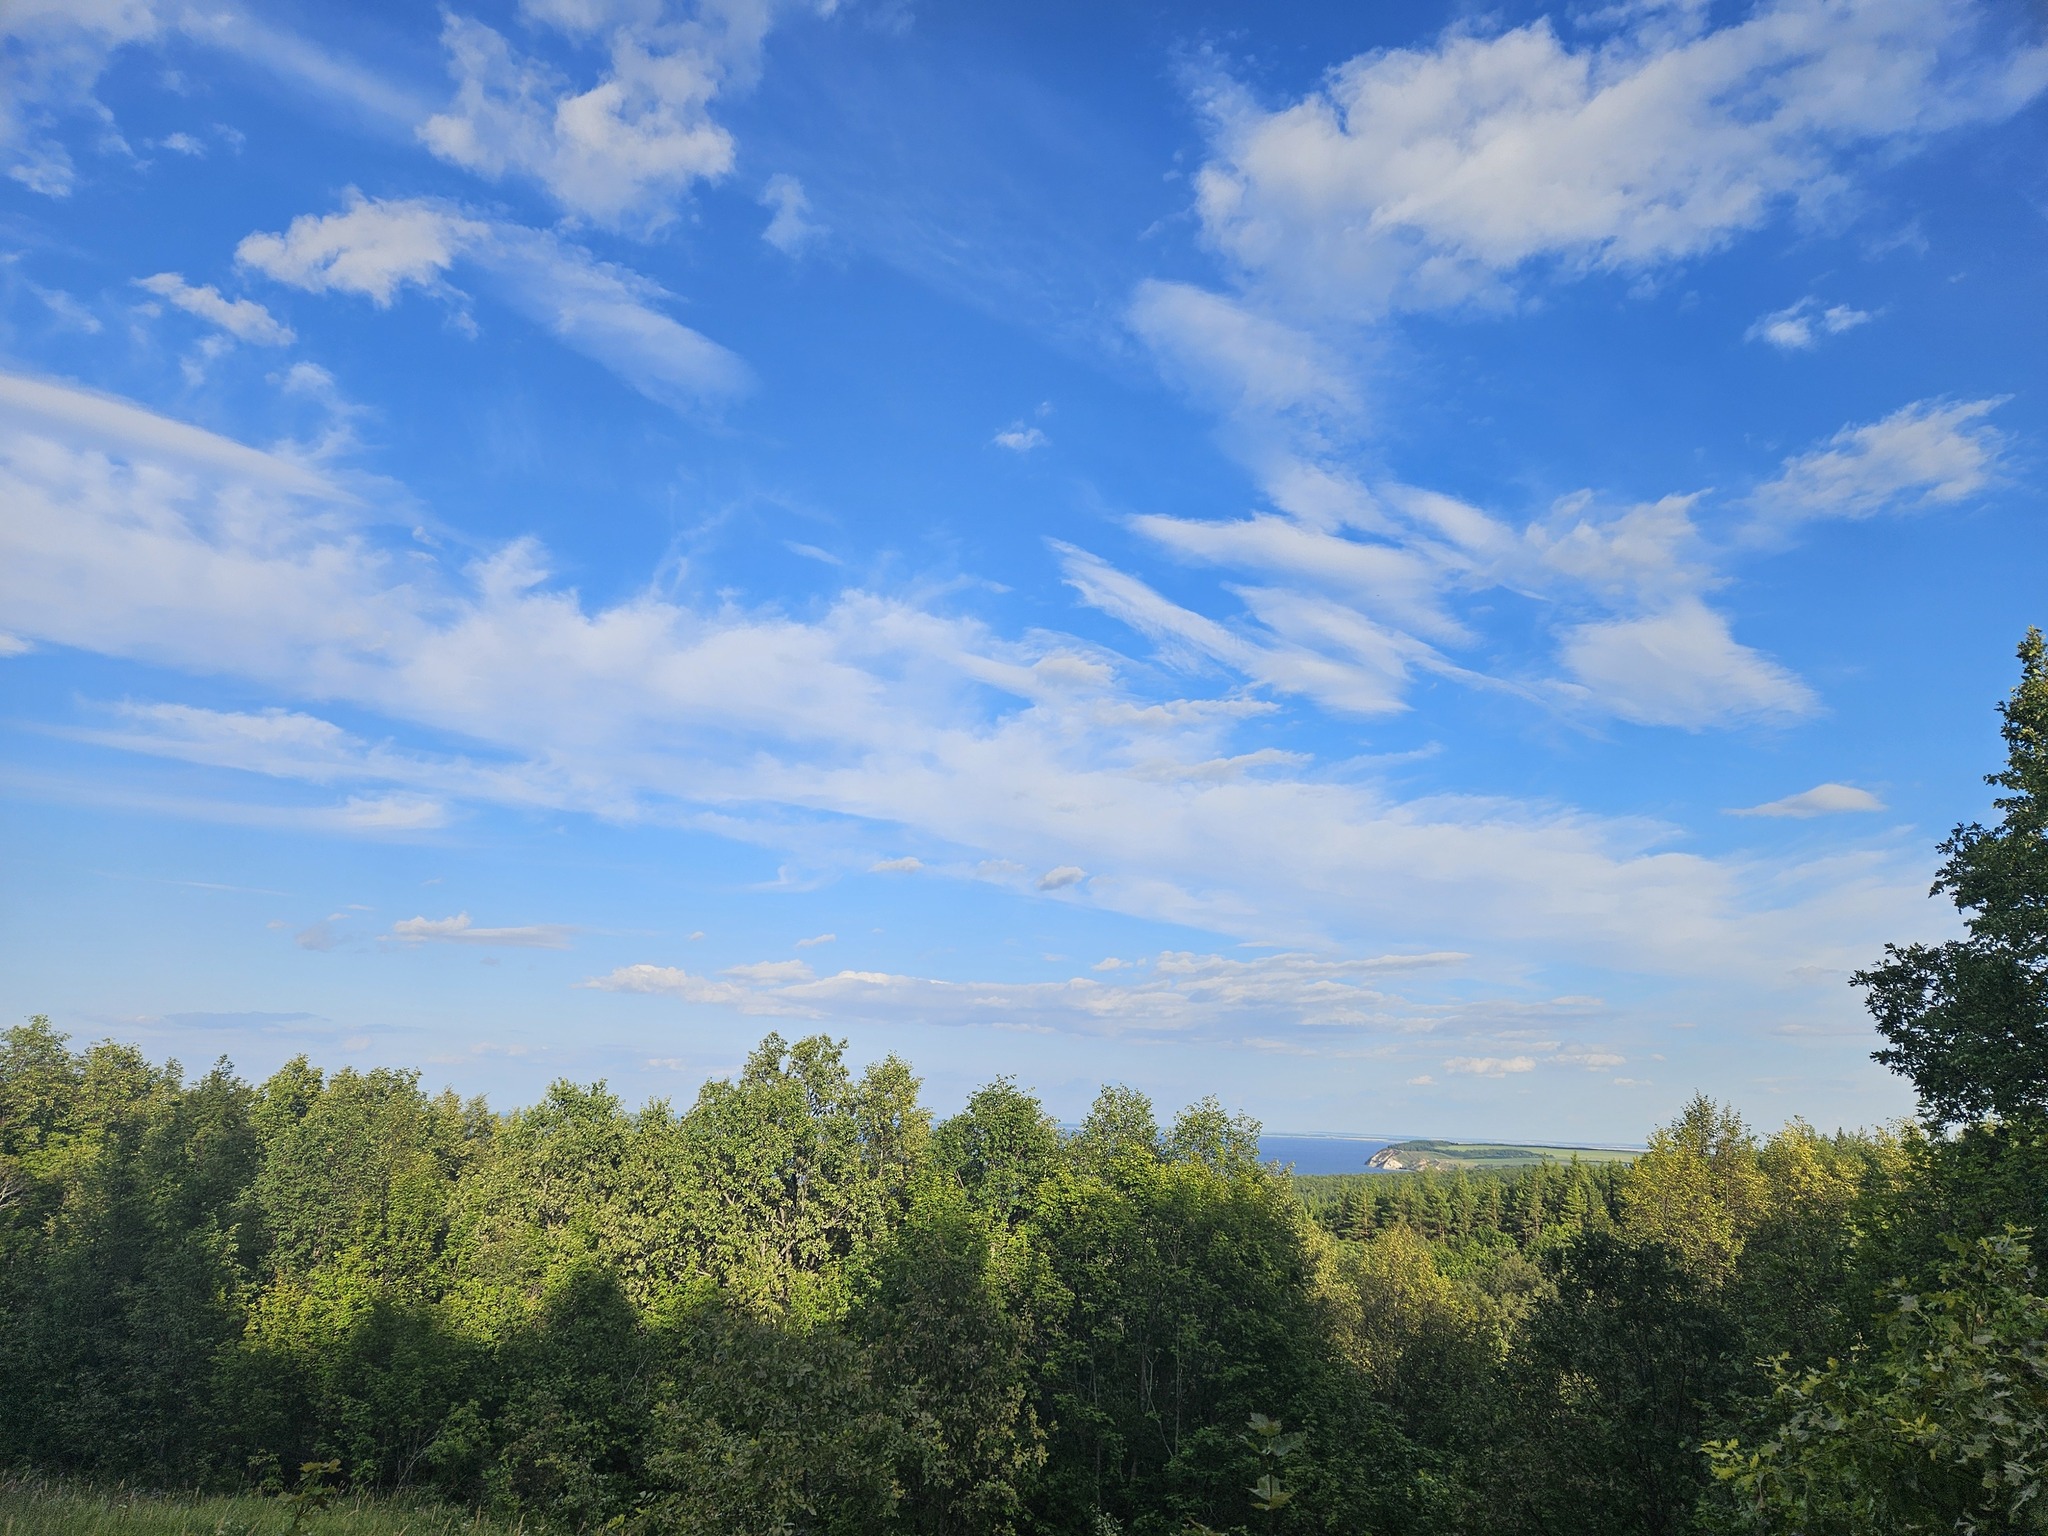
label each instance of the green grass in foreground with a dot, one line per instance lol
(55, 1509)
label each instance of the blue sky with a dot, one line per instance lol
(1418, 569)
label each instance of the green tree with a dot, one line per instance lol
(1610, 1391)
(1698, 1189)
(1967, 1020)
(1000, 1147)
(1939, 1426)
(949, 1317)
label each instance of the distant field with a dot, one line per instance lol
(1491, 1155)
(1324, 1186)
(34, 1509)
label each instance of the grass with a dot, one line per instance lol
(36, 1508)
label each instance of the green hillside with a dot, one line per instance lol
(1408, 1156)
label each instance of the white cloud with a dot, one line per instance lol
(1058, 879)
(459, 930)
(183, 144)
(67, 310)
(127, 535)
(815, 940)
(673, 981)
(791, 228)
(1490, 1066)
(1426, 176)
(68, 414)
(771, 971)
(1821, 800)
(1364, 677)
(1404, 584)
(1180, 992)
(244, 319)
(1019, 438)
(625, 149)
(1928, 453)
(1466, 170)
(1592, 1060)
(1798, 327)
(1235, 356)
(374, 247)
(53, 52)
(389, 813)
(606, 312)
(903, 866)
(1680, 667)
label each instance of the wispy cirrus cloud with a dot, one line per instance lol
(243, 319)
(1175, 992)
(1929, 453)
(376, 248)
(460, 930)
(127, 535)
(1490, 1066)
(54, 52)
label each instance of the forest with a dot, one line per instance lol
(803, 1304)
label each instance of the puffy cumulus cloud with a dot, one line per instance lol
(624, 149)
(1681, 667)
(460, 930)
(1428, 176)
(129, 535)
(243, 319)
(1821, 800)
(613, 316)
(1019, 437)
(1798, 327)
(1931, 453)
(373, 247)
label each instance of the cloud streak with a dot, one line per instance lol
(1821, 800)
(376, 248)
(460, 930)
(1178, 992)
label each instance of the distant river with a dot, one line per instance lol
(1321, 1154)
